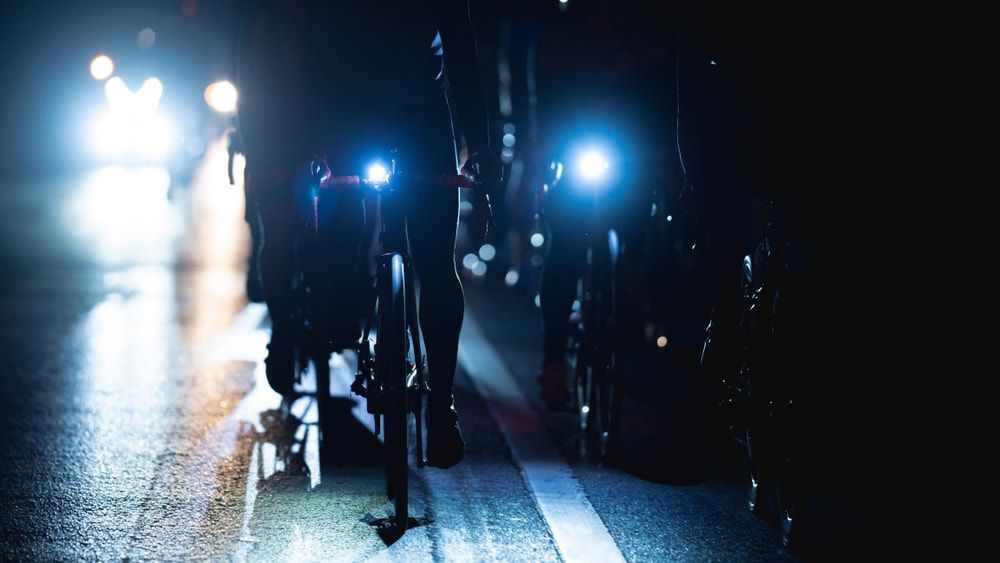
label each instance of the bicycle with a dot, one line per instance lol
(328, 270)
(758, 390)
(592, 350)
(391, 370)
(596, 371)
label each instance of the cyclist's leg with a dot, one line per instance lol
(426, 142)
(277, 222)
(277, 260)
(565, 260)
(442, 302)
(339, 270)
(564, 263)
(254, 285)
(432, 222)
(442, 307)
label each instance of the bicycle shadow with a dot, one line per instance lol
(388, 532)
(365, 450)
(290, 488)
(354, 445)
(346, 442)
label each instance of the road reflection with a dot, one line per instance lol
(131, 342)
(176, 392)
(293, 508)
(124, 216)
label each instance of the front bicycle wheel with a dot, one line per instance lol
(787, 477)
(391, 359)
(607, 394)
(755, 445)
(581, 360)
(321, 365)
(583, 390)
(607, 400)
(787, 493)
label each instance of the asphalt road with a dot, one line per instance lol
(136, 423)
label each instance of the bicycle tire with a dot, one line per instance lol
(607, 392)
(787, 494)
(392, 335)
(787, 478)
(321, 365)
(757, 474)
(583, 358)
(598, 382)
(583, 388)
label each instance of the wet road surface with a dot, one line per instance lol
(136, 422)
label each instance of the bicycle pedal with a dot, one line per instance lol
(359, 389)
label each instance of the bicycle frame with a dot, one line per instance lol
(396, 244)
(393, 378)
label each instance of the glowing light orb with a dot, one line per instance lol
(377, 173)
(222, 96)
(593, 165)
(102, 67)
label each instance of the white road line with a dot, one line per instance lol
(576, 528)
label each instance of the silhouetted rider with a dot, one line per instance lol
(598, 72)
(345, 79)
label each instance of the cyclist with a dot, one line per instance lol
(591, 75)
(337, 78)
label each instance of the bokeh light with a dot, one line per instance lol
(189, 8)
(511, 278)
(146, 38)
(153, 86)
(487, 252)
(221, 96)
(117, 93)
(133, 127)
(101, 67)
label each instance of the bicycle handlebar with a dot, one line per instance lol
(441, 180)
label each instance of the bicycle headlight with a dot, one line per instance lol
(377, 173)
(592, 165)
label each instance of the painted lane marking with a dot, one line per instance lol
(576, 528)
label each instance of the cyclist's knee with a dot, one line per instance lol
(436, 267)
(441, 295)
(444, 291)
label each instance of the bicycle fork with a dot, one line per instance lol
(367, 384)
(417, 380)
